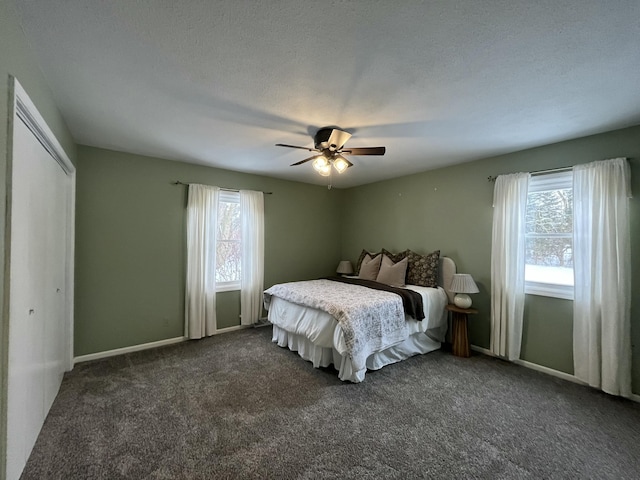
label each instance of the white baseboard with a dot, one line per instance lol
(551, 371)
(485, 351)
(145, 346)
(230, 329)
(132, 348)
(547, 370)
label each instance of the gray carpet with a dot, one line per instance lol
(238, 406)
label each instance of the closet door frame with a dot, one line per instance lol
(26, 111)
(23, 110)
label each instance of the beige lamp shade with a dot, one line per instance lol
(461, 285)
(345, 268)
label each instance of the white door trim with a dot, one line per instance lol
(26, 111)
(22, 111)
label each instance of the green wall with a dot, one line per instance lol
(130, 244)
(451, 209)
(16, 59)
(130, 247)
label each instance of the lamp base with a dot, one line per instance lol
(462, 300)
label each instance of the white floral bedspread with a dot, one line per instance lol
(371, 320)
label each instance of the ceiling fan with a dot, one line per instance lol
(330, 151)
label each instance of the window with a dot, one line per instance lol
(549, 236)
(229, 245)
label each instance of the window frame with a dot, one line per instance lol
(541, 183)
(226, 196)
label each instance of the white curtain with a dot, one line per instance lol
(252, 278)
(507, 264)
(200, 294)
(601, 309)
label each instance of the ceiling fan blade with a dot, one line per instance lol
(365, 151)
(303, 161)
(295, 146)
(338, 138)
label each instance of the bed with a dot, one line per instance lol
(316, 320)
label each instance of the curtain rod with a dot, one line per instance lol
(178, 182)
(537, 172)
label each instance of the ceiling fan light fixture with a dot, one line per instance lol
(340, 164)
(329, 144)
(325, 171)
(321, 163)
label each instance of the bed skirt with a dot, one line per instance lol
(319, 356)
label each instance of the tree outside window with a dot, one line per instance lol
(228, 252)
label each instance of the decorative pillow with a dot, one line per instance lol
(395, 257)
(361, 257)
(370, 267)
(392, 273)
(423, 269)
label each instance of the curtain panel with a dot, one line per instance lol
(200, 292)
(602, 259)
(507, 264)
(252, 278)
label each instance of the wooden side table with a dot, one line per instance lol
(460, 338)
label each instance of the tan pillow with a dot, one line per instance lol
(392, 273)
(361, 257)
(369, 267)
(395, 257)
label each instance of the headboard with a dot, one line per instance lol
(446, 270)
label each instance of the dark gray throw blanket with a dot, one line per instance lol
(411, 301)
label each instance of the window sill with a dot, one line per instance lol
(234, 287)
(549, 290)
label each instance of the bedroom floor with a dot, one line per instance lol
(238, 406)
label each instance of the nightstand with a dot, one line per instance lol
(459, 335)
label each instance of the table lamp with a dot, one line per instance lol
(345, 268)
(461, 285)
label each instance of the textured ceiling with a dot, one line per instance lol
(436, 82)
